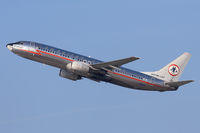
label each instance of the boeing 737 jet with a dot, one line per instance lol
(75, 67)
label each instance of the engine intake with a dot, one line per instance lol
(69, 75)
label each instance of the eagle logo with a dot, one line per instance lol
(174, 70)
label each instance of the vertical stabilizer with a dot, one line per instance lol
(173, 70)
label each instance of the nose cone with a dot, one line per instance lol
(9, 46)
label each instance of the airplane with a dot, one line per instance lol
(75, 67)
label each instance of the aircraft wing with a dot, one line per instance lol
(116, 63)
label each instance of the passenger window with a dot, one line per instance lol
(58, 52)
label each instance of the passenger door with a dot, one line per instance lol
(32, 46)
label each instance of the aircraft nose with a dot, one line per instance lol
(9, 46)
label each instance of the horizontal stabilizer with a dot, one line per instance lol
(116, 63)
(179, 83)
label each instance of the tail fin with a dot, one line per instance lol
(173, 70)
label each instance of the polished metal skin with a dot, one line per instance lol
(74, 66)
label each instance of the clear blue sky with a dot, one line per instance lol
(33, 98)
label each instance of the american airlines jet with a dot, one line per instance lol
(75, 67)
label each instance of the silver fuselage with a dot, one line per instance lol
(60, 58)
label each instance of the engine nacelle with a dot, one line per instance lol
(69, 75)
(79, 68)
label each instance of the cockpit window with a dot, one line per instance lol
(19, 42)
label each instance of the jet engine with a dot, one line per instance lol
(69, 75)
(79, 68)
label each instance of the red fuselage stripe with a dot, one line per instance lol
(135, 79)
(39, 53)
(55, 55)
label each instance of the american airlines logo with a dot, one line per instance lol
(173, 70)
